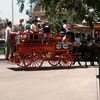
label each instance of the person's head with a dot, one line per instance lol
(28, 28)
(83, 34)
(77, 35)
(34, 22)
(65, 21)
(27, 21)
(21, 20)
(47, 22)
(9, 24)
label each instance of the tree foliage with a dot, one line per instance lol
(73, 10)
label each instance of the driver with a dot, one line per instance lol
(65, 30)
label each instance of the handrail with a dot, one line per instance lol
(30, 37)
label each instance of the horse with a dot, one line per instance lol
(92, 51)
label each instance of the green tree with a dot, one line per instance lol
(73, 10)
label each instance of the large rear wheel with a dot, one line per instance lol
(32, 59)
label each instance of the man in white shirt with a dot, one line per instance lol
(9, 44)
(65, 30)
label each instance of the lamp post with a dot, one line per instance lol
(98, 76)
(12, 16)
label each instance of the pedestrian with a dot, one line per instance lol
(8, 40)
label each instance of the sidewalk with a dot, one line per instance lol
(2, 56)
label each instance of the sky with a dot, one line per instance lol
(6, 11)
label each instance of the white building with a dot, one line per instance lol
(38, 12)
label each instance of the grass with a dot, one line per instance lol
(1, 51)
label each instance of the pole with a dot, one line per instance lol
(98, 76)
(12, 16)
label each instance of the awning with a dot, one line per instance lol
(82, 27)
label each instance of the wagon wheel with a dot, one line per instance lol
(54, 60)
(21, 64)
(66, 60)
(32, 59)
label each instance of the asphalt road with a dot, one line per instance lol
(76, 83)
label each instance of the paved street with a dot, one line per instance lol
(77, 83)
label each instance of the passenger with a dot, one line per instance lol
(29, 33)
(89, 38)
(46, 29)
(34, 28)
(83, 38)
(9, 43)
(21, 26)
(95, 35)
(27, 25)
(77, 38)
(40, 26)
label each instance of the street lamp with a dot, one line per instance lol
(12, 16)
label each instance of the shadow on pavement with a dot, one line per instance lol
(49, 68)
(2, 60)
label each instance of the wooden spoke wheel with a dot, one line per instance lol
(54, 60)
(66, 60)
(21, 64)
(33, 59)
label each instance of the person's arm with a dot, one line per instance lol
(33, 28)
(19, 27)
(25, 27)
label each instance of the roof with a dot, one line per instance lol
(38, 10)
(38, 13)
(82, 27)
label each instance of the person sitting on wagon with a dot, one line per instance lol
(34, 28)
(21, 26)
(46, 29)
(65, 30)
(28, 33)
(27, 30)
(27, 25)
(78, 38)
